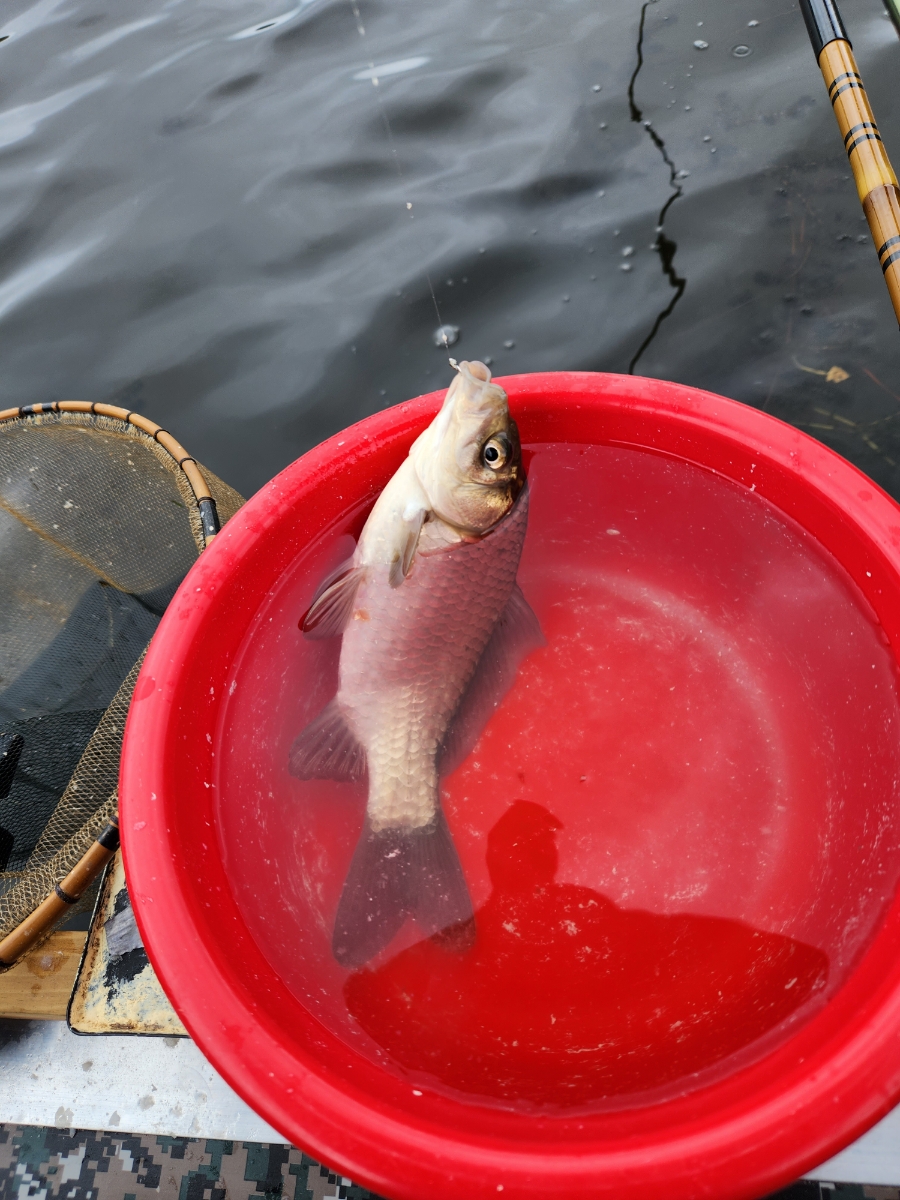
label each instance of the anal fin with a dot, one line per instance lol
(515, 635)
(396, 874)
(328, 749)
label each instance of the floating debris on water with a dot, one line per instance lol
(445, 335)
(701, 45)
(741, 51)
(834, 374)
(272, 23)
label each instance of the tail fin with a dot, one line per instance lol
(397, 874)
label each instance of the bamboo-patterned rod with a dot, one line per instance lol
(876, 182)
(66, 892)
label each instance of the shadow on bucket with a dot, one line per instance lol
(565, 997)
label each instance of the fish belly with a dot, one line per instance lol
(407, 656)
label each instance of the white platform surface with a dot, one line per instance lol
(875, 1158)
(51, 1076)
(150, 1085)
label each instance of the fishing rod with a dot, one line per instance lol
(70, 889)
(876, 182)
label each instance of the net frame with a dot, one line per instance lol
(82, 833)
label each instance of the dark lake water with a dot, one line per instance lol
(204, 210)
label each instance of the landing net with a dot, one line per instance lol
(102, 514)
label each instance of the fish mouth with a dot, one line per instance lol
(474, 371)
(479, 392)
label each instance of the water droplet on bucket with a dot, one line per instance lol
(446, 335)
(627, 251)
(752, 24)
(596, 88)
(701, 45)
(625, 266)
(741, 51)
(509, 344)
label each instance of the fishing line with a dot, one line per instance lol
(361, 30)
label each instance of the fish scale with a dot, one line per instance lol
(399, 691)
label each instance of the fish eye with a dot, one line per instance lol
(495, 452)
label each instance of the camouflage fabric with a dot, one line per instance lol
(62, 1164)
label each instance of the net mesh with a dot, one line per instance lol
(98, 526)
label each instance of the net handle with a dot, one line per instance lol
(206, 505)
(66, 892)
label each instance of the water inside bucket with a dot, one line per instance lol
(679, 830)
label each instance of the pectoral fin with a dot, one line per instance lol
(333, 602)
(515, 635)
(409, 526)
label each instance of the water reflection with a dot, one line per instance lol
(565, 997)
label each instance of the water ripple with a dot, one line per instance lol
(17, 124)
(98, 44)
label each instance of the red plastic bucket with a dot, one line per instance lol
(748, 613)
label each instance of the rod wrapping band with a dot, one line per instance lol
(109, 838)
(823, 23)
(882, 209)
(209, 518)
